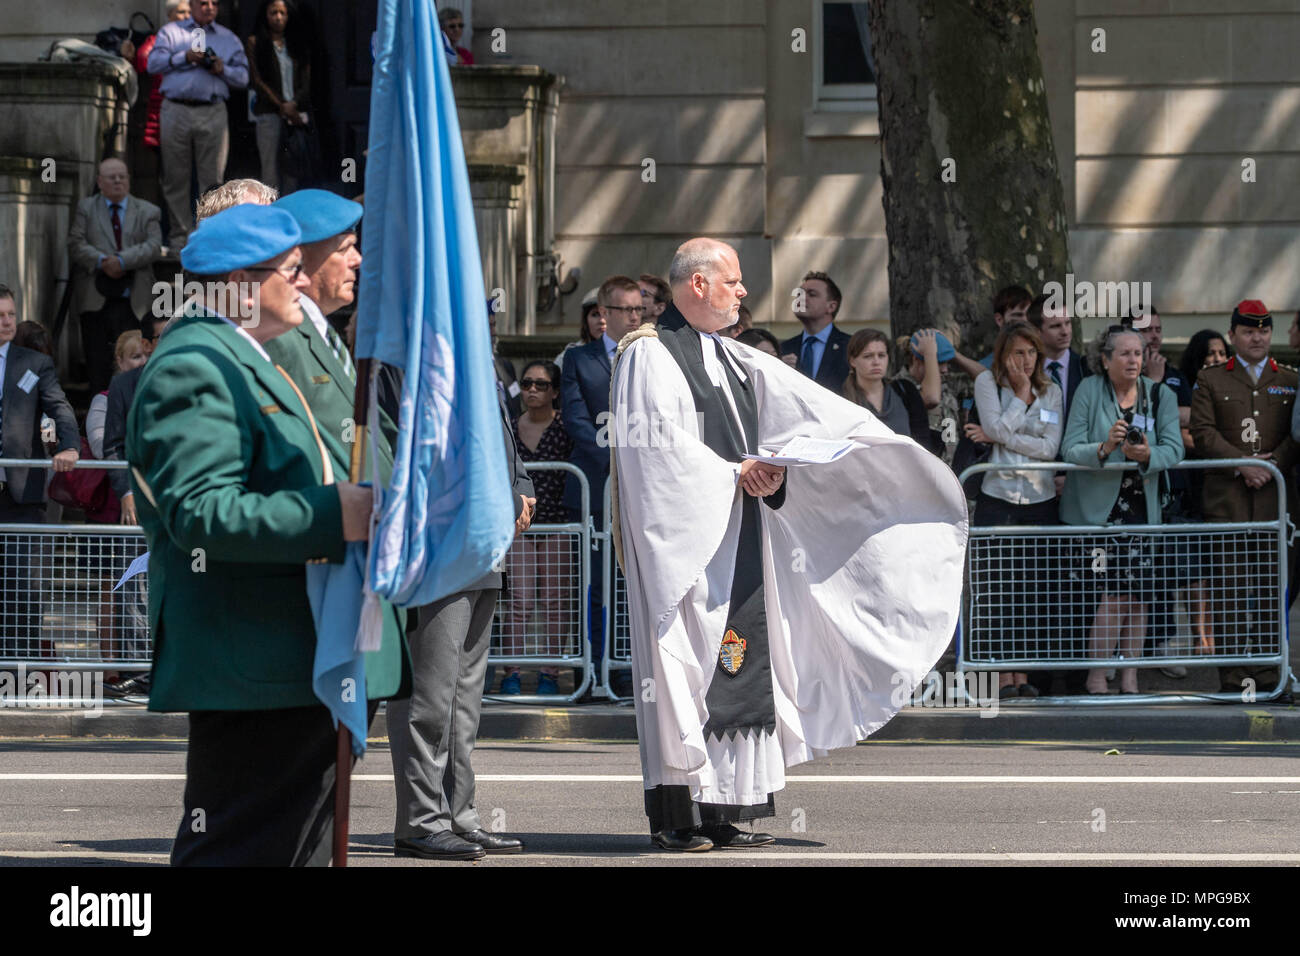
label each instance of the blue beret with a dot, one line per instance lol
(320, 213)
(238, 237)
(945, 351)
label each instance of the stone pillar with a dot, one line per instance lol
(58, 121)
(34, 220)
(496, 191)
(507, 120)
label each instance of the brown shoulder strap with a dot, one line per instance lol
(327, 468)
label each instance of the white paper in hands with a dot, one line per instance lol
(802, 450)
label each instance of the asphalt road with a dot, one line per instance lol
(1056, 804)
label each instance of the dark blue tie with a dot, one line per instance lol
(806, 360)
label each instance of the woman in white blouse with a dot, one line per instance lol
(1021, 416)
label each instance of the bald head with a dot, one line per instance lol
(113, 180)
(705, 279)
(696, 255)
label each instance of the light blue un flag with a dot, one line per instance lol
(447, 516)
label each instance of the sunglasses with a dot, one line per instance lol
(538, 383)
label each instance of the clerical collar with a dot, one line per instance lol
(712, 364)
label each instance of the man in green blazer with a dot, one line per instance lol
(317, 358)
(236, 492)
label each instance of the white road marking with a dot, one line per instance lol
(92, 776)
(636, 778)
(741, 856)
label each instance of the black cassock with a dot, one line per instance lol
(740, 702)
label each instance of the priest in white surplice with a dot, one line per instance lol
(775, 612)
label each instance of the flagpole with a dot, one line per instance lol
(343, 755)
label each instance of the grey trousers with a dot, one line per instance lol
(198, 132)
(432, 734)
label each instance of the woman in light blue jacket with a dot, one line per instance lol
(1119, 416)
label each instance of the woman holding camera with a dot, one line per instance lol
(1119, 416)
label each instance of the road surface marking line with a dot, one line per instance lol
(731, 858)
(636, 778)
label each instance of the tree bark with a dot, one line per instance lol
(961, 96)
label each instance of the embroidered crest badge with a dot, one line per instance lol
(732, 654)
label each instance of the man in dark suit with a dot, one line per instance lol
(29, 389)
(821, 352)
(236, 492)
(432, 734)
(113, 242)
(584, 398)
(1063, 364)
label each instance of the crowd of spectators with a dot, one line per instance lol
(1033, 398)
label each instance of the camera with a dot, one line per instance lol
(209, 58)
(1134, 436)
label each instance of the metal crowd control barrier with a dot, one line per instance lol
(618, 625)
(541, 620)
(1033, 593)
(58, 606)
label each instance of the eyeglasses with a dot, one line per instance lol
(634, 309)
(541, 384)
(455, 26)
(291, 275)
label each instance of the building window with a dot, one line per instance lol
(843, 76)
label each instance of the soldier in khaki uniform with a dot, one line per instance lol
(1242, 410)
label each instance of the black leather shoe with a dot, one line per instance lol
(131, 687)
(493, 843)
(443, 845)
(686, 841)
(621, 685)
(727, 837)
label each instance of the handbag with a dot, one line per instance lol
(111, 288)
(110, 40)
(970, 452)
(87, 489)
(300, 154)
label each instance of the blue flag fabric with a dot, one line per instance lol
(338, 673)
(447, 516)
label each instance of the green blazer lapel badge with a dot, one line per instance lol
(320, 379)
(270, 409)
